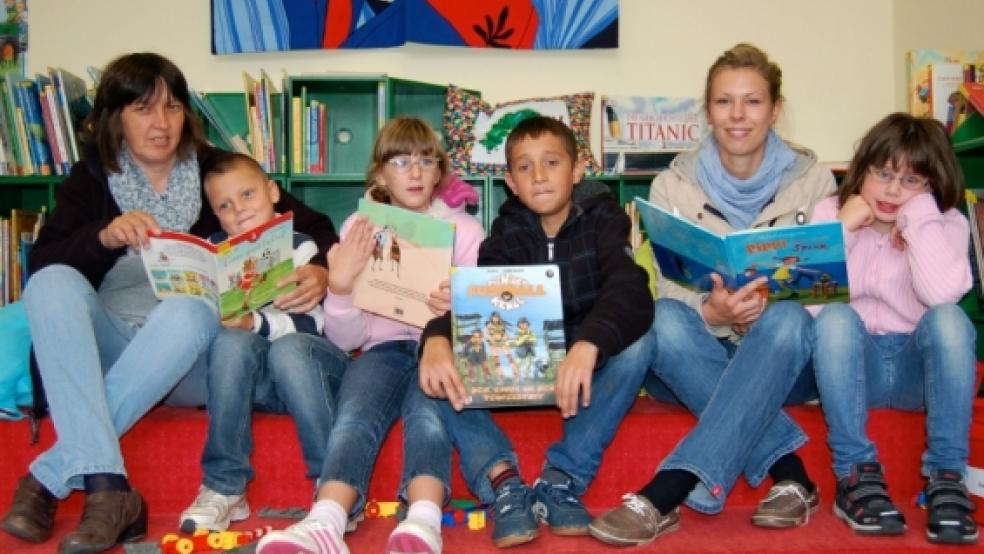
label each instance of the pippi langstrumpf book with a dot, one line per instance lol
(508, 333)
(805, 263)
(237, 275)
(411, 255)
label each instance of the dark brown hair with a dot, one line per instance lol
(404, 136)
(746, 56)
(533, 127)
(131, 78)
(920, 143)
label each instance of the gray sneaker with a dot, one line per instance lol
(633, 523)
(787, 504)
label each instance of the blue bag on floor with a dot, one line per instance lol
(15, 375)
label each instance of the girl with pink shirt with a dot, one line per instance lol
(902, 342)
(408, 166)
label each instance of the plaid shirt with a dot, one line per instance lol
(605, 294)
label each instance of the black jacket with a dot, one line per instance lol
(605, 294)
(84, 206)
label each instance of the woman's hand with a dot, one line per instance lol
(856, 213)
(741, 307)
(349, 257)
(439, 301)
(312, 285)
(129, 229)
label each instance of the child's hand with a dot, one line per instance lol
(348, 258)
(244, 322)
(741, 307)
(438, 376)
(574, 377)
(439, 301)
(856, 213)
(896, 239)
(312, 284)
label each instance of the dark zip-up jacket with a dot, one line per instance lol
(84, 206)
(606, 295)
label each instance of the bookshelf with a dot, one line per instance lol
(968, 144)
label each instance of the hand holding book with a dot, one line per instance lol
(349, 257)
(740, 307)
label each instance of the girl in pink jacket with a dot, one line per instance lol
(902, 342)
(409, 170)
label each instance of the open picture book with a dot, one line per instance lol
(237, 276)
(804, 263)
(508, 333)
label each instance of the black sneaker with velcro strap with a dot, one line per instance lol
(949, 519)
(863, 502)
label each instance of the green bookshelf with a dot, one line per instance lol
(27, 192)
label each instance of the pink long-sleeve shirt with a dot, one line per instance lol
(892, 289)
(349, 327)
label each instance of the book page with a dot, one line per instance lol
(181, 264)
(804, 263)
(249, 265)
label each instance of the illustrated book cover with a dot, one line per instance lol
(935, 75)
(238, 275)
(642, 134)
(508, 333)
(805, 263)
(411, 255)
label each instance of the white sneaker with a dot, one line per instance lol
(411, 537)
(213, 511)
(308, 536)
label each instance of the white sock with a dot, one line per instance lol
(330, 513)
(426, 512)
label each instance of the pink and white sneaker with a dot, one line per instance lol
(308, 536)
(411, 537)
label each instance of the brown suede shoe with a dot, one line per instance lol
(109, 518)
(32, 513)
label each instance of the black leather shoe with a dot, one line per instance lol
(109, 518)
(32, 513)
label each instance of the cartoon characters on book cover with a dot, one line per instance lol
(508, 327)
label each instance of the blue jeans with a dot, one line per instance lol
(100, 374)
(482, 444)
(933, 369)
(737, 392)
(379, 386)
(297, 374)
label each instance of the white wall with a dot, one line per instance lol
(841, 59)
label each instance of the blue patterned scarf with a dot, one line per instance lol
(175, 210)
(742, 200)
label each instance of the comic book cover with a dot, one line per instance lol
(804, 263)
(238, 275)
(508, 333)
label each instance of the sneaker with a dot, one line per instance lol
(633, 523)
(513, 521)
(787, 504)
(213, 511)
(561, 509)
(949, 520)
(411, 537)
(308, 536)
(863, 502)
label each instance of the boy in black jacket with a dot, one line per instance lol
(608, 312)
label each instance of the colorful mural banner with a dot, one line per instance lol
(240, 26)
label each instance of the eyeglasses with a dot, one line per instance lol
(404, 163)
(909, 181)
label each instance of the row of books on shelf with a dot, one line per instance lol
(17, 235)
(41, 123)
(938, 83)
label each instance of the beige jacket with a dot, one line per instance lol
(677, 190)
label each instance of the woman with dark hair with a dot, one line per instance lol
(107, 349)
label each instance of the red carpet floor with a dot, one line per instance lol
(162, 454)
